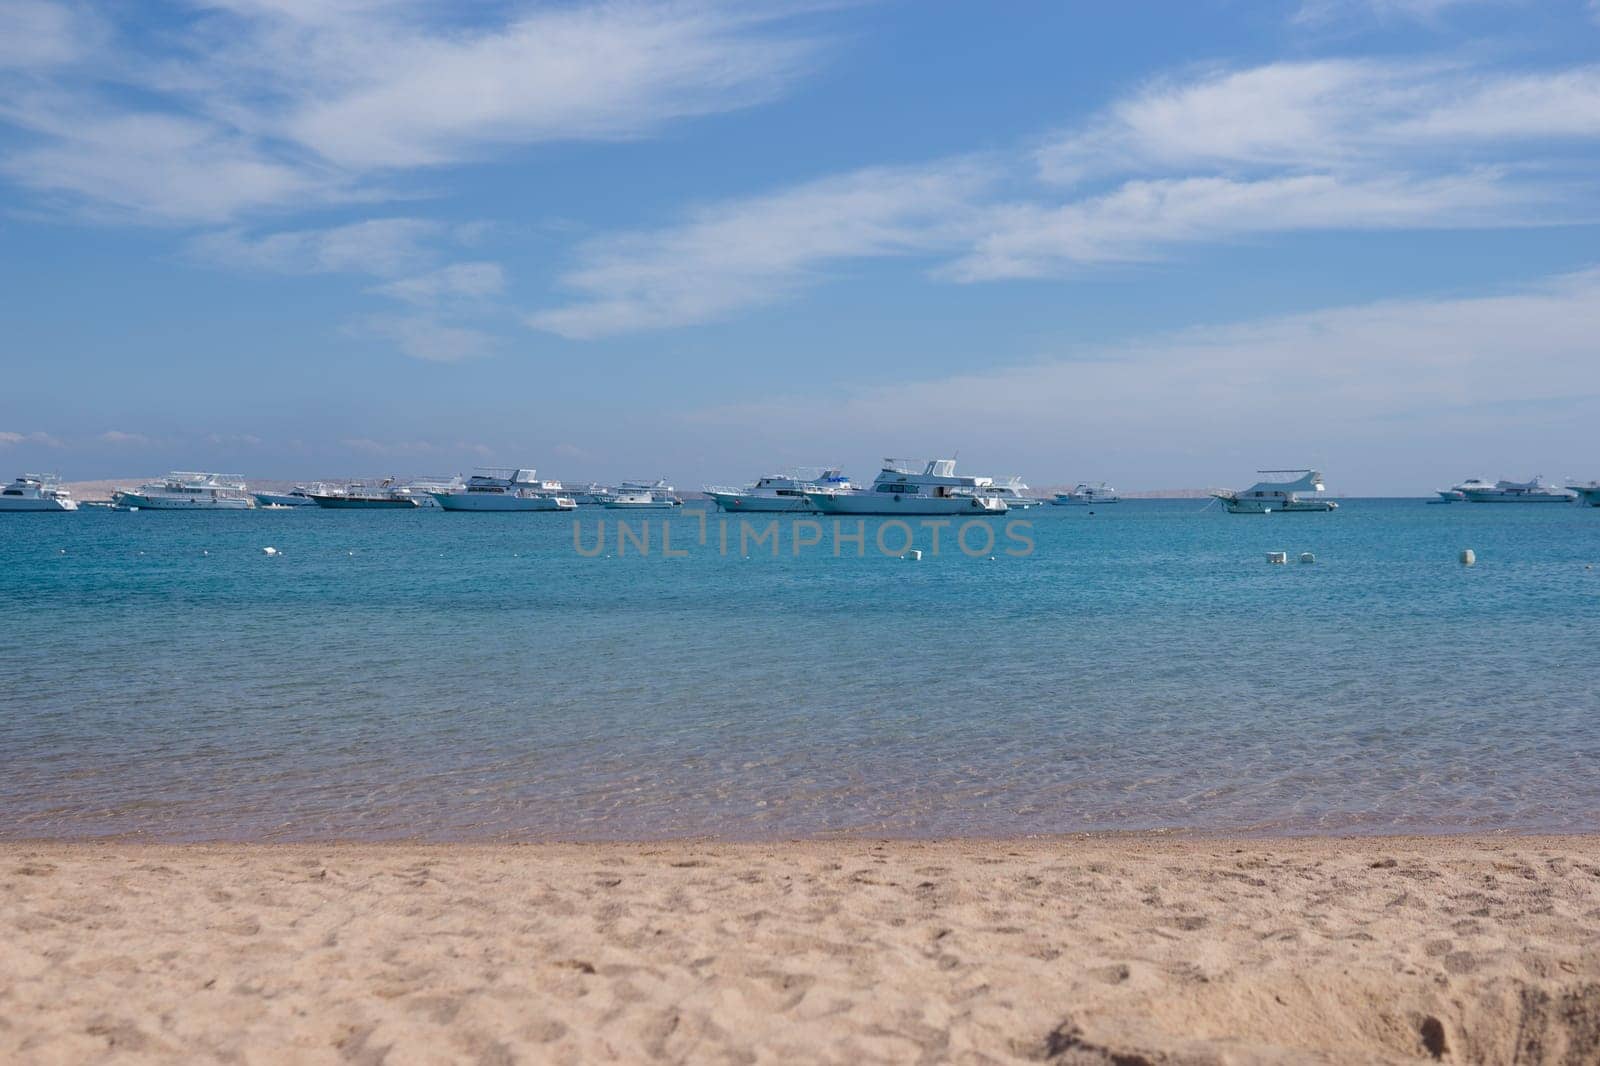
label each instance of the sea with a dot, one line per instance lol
(425, 675)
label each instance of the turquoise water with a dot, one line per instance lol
(471, 676)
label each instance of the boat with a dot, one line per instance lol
(361, 495)
(776, 492)
(497, 489)
(588, 494)
(299, 496)
(899, 489)
(634, 495)
(1458, 493)
(183, 490)
(1266, 497)
(1588, 493)
(1084, 494)
(1014, 492)
(36, 492)
(1536, 491)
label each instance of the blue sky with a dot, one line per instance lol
(1160, 244)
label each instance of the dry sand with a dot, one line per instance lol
(1120, 950)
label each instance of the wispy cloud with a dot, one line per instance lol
(426, 336)
(458, 281)
(124, 440)
(752, 252)
(43, 440)
(1213, 157)
(1293, 385)
(247, 105)
(384, 247)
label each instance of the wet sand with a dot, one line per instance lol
(1099, 949)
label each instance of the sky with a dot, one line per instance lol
(1158, 244)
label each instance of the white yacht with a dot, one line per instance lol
(1084, 494)
(36, 492)
(1014, 492)
(299, 496)
(1457, 493)
(590, 494)
(1588, 493)
(1266, 497)
(185, 491)
(777, 492)
(633, 495)
(900, 489)
(1536, 491)
(494, 489)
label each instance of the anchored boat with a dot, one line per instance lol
(1266, 497)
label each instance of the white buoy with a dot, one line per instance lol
(1277, 557)
(269, 550)
(1307, 557)
(1468, 557)
(914, 555)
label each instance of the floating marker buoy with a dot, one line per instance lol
(1468, 557)
(269, 550)
(1277, 557)
(204, 552)
(914, 555)
(1307, 557)
(61, 551)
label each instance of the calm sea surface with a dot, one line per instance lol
(470, 676)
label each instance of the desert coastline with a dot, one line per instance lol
(1102, 948)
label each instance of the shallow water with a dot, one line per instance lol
(471, 676)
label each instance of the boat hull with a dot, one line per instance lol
(1521, 497)
(1588, 497)
(125, 501)
(746, 503)
(490, 501)
(886, 503)
(282, 499)
(363, 503)
(1252, 506)
(36, 506)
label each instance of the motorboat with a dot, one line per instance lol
(900, 489)
(1267, 497)
(1014, 492)
(1588, 493)
(1085, 494)
(363, 495)
(36, 492)
(1537, 490)
(187, 491)
(495, 489)
(777, 492)
(634, 495)
(299, 496)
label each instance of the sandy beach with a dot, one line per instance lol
(1097, 950)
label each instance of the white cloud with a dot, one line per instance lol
(1328, 114)
(38, 34)
(384, 247)
(1322, 11)
(248, 106)
(1140, 220)
(121, 439)
(458, 281)
(752, 252)
(427, 337)
(43, 440)
(1289, 388)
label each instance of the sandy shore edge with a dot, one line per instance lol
(1128, 948)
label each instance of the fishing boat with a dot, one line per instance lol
(36, 492)
(1267, 497)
